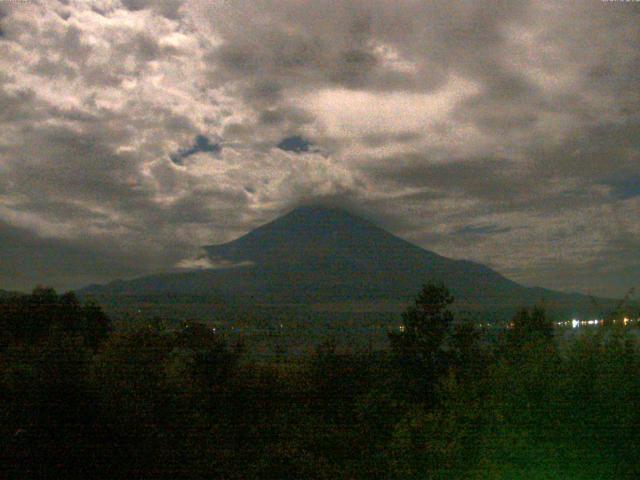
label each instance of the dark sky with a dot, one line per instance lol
(132, 132)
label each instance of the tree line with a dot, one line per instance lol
(79, 399)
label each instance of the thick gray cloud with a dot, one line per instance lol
(132, 132)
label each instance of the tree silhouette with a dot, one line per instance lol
(529, 326)
(418, 345)
(31, 318)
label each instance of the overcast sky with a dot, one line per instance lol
(132, 132)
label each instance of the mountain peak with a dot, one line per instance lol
(297, 233)
(324, 216)
(315, 211)
(317, 208)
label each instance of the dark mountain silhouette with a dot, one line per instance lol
(326, 255)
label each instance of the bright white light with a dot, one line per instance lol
(575, 323)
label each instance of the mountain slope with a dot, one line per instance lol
(327, 254)
(317, 255)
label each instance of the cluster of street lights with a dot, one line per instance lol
(575, 323)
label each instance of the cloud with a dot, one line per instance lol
(504, 132)
(205, 263)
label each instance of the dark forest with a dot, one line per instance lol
(81, 399)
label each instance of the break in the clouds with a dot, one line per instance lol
(294, 144)
(134, 132)
(201, 144)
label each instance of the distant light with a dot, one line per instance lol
(626, 320)
(575, 323)
(402, 328)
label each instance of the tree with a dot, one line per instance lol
(418, 345)
(465, 353)
(32, 318)
(529, 326)
(95, 326)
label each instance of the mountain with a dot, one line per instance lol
(327, 256)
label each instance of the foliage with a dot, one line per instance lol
(158, 402)
(529, 325)
(29, 318)
(418, 347)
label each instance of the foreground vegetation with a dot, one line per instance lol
(78, 400)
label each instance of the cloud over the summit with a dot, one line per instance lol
(507, 132)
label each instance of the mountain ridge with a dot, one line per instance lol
(316, 254)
